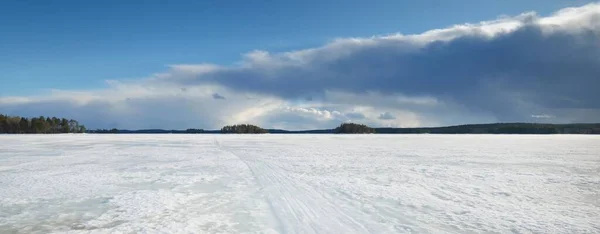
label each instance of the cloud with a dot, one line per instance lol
(386, 116)
(495, 71)
(503, 67)
(218, 96)
(542, 116)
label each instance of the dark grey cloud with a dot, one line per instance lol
(218, 96)
(386, 116)
(507, 75)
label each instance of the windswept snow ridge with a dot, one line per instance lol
(299, 184)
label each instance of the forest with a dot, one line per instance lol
(352, 128)
(243, 128)
(21, 125)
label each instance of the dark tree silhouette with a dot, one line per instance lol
(353, 128)
(502, 128)
(243, 128)
(17, 125)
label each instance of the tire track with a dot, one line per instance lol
(258, 182)
(298, 207)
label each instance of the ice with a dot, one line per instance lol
(299, 183)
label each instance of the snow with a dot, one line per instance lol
(299, 183)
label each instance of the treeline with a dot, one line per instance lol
(352, 128)
(501, 128)
(148, 131)
(495, 128)
(19, 125)
(243, 128)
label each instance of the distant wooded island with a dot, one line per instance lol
(49, 125)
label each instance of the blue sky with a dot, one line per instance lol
(79, 44)
(76, 46)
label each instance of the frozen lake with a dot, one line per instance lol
(299, 184)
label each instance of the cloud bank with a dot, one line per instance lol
(505, 70)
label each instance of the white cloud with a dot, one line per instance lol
(543, 116)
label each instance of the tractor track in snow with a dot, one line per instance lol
(258, 182)
(297, 206)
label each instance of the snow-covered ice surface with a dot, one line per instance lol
(299, 184)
